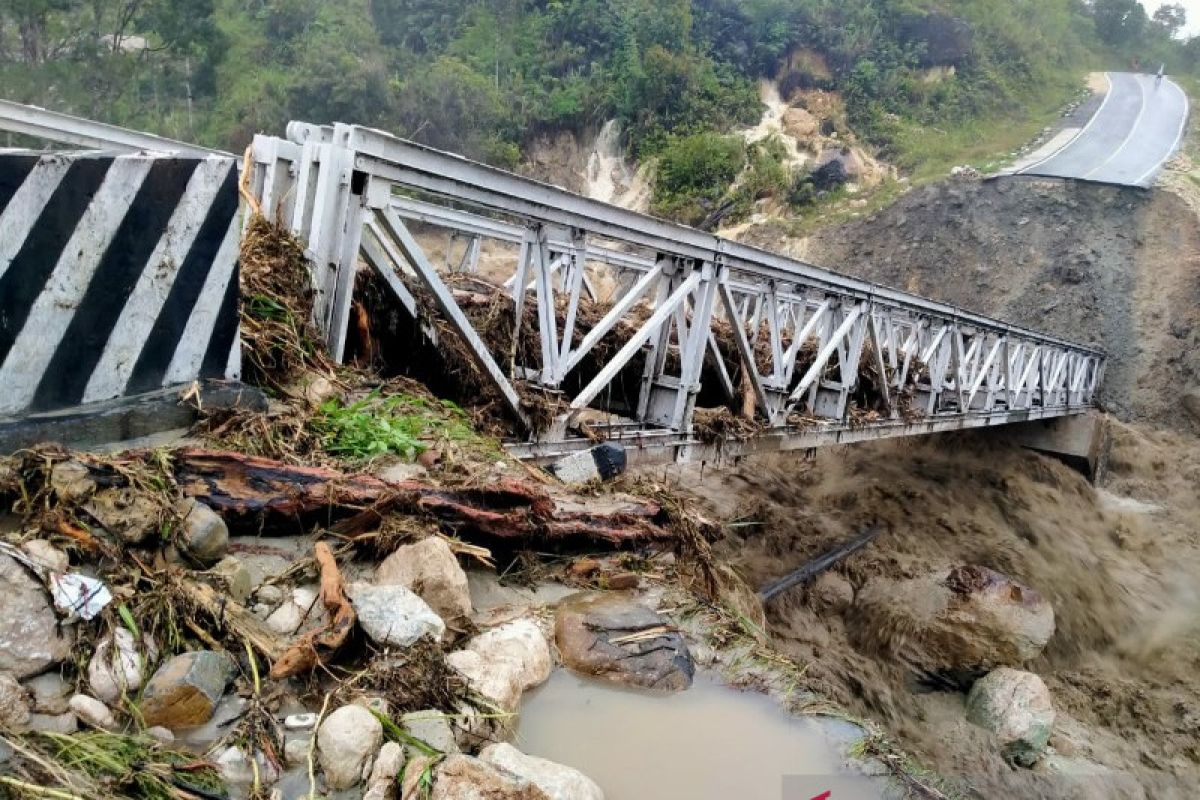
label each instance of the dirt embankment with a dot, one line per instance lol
(1123, 666)
(1096, 264)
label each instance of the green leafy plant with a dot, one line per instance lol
(401, 424)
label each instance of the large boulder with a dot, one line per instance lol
(31, 640)
(184, 692)
(346, 742)
(610, 636)
(557, 781)
(430, 569)
(501, 664)
(959, 623)
(461, 777)
(1016, 706)
(393, 615)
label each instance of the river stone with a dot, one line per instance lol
(184, 692)
(430, 569)
(1016, 706)
(130, 515)
(118, 666)
(461, 777)
(346, 742)
(960, 623)
(30, 639)
(388, 764)
(393, 615)
(14, 703)
(203, 535)
(53, 723)
(91, 711)
(49, 692)
(589, 628)
(557, 781)
(501, 664)
(431, 727)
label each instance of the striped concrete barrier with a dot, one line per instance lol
(118, 276)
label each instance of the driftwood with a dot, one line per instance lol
(316, 647)
(818, 565)
(269, 494)
(230, 615)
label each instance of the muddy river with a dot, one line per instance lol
(708, 743)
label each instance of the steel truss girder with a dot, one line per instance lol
(800, 333)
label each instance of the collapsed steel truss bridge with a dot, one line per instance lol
(361, 198)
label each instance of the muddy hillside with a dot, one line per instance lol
(1096, 264)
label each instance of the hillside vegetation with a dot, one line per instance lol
(921, 80)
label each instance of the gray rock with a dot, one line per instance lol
(557, 781)
(130, 515)
(301, 612)
(52, 723)
(203, 535)
(346, 742)
(236, 577)
(14, 703)
(430, 569)
(1191, 402)
(504, 662)
(431, 727)
(295, 750)
(393, 615)
(388, 765)
(31, 640)
(1016, 706)
(600, 635)
(601, 463)
(91, 711)
(185, 691)
(49, 692)
(72, 482)
(46, 555)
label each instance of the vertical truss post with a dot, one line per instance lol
(695, 346)
(547, 313)
(573, 279)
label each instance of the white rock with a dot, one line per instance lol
(393, 615)
(91, 711)
(234, 765)
(557, 781)
(504, 662)
(302, 611)
(31, 640)
(346, 741)
(300, 722)
(430, 569)
(118, 666)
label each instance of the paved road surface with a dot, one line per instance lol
(1133, 134)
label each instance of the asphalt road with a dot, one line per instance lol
(1135, 131)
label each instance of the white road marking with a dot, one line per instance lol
(1178, 136)
(1107, 96)
(1132, 131)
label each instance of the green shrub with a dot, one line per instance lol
(694, 173)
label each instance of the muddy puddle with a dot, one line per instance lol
(708, 743)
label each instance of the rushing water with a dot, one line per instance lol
(708, 743)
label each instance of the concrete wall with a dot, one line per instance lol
(1082, 441)
(118, 276)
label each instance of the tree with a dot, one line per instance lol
(1172, 18)
(1119, 23)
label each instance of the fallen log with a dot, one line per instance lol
(231, 616)
(265, 494)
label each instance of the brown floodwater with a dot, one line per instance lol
(710, 742)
